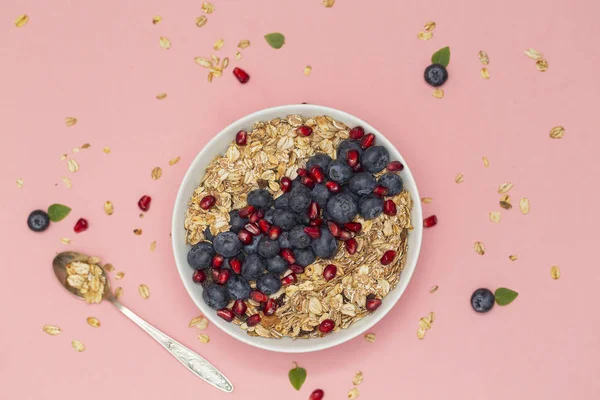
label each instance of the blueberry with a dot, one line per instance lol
(267, 248)
(251, 248)
(260, 198)
(362, 183)
(284, 219)
(277, 265)
(227, 244)
(282, 202)
(346, 189)
(342, 208)
(370, 206)
(253, 267)
(300, 198)
(215, 296)
(346, 145)
(321, 194)
(236, 222)
(374, 159)
(269, 215)
(299, 238)
(284, 240)
(208, 235)
(38, 221)
(304, 257)
(200, 255)
(320, 159)
(325, 246)
(269, 283)
(303, 219)
(339, 171)
(238, 288)
(436, 75)
(392, 182)
(482, 300)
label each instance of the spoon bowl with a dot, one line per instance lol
(59, 265)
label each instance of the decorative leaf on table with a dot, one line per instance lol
(276, 40)
(505, 296)
(442, 56)
(58, 212)
(297, 376)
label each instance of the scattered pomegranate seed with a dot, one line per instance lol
(199, 276)
(352, 158)
(274, 232)
(395, 166)
(351, 246)
(253, 229)
(316, 222)
(313, 231)
(288, 279)
(372, 304)
(389, 207)
(245, 211)
(241, 75)
(358, 168)
(367, 141)
(353, 226)
(207, 202)
(388, 257)
(286, 184)
(288, 255)
(380, 191)
(245, 236)
(307, 181)
(264, 225)
(297, 269)
(81, 225)
(302, 172)
(223, 276)
(333, 228)
(226, 314)
(253, 320)
(333, 187)
(304, 130)
(239, 307)
(256, 216)
(217, 261)
(259, 297)
(356, 133)
(215, 274)
(329, 272)
(236, 265)
(327, 326)
(270, 307)
(345, 235)
(144, 203)
(430, 221)
(313, 210)
(241, 138)
(316, 395)
(316, 173)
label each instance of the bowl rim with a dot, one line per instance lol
(178, 232)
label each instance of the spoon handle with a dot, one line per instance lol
(196, 364)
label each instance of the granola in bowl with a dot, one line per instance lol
(334, 263)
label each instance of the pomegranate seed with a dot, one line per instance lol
(395, 166)
(245, 211)
(327, 326)
(286, 184)
(302, 172)
(356, 133)
(318, 393)
(329, 272)
(207, 202)
(345, 235)
(199, 276)
(241, 75)
(253, 320)
(81, 225)
(217, 261)
(270, 307)
(353, 226)
(352, 158)
(144, 203)
(223, 276)
(236, 265)
(380, 191)
(264, 225)
(274, 232)
(313, 210)
(241, 138)
(333, 187)
(259, 297)
(316, 222)
(297, 269)
(304, 130)
(388, 257)
(389, 207)
(307, 181)
(239, 307)
(372, 304)
(316, 173)
(351, 246)
(358, 168)
(253, 229)
(288, 279)
(245, 236)
(313, 231)
(430, 221)
(367, 141)
(215, 274)
(226, 314)
(288, 255)
(256, 216)
(333, 228)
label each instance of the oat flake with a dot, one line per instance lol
(438, 93)
(200, 322)
(505, 202)
(106, 150)
(144, 291)
(204, 338)
(153, 246)
(425, 35)
(495, 216)
(65, 240)
(93, 322)
(119, 275)
(164, 42)
(108, 207)
(307, 70)
(208, 7)
(485, 74)
(21, 20)
(52, 330)
(434, 289)
(218, 44)
(479, 249)
(541, 65)
(109, 267)
(156, 173)
(70, 121)
(174, 161)
(19, 183)
(238, 55)
(429, 26)
(201, 21)
(161, 96)
(483, 57)
(72, 165)
(118, 292)
(512, 257)
(426, 200)
(421, 333)
(555, 272)
(534, 54)
(358, 378)
(328, 3)
(524, 205)
(557, 132)
(353, 394)
(486, 162)
(243, 44)
(370, 337)
(137, 231)
(67, 182)
(156, 19)
(505, 187)
(459, 178)
(78, 346)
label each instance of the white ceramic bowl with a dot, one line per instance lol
(218, 145)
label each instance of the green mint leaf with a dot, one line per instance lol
(442, 56)
(505, 296)
(297, 377)
(276, 40)
(58, 212)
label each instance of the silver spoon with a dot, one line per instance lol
(196, 364)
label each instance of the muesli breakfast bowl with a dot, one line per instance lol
(290, 255)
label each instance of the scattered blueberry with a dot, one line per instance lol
(227, 244)
(215, 296)
(253, 267)
(251, 248)
(268, 248)
(436, 75)
(370, 206)
(321, 194)
(38, 221)
(346, 145)
(269, 283)
(304, 257)
(208, 234)
(374, 159)
(320, 159)
(282, 202)
(362, 183)
(284, 240)
(339, 171)
(277, 264)
(236, 221)
(299, 238)
(342, 208)
(286, 220)
(482, 300)
(238, 288)
(326, 246)
(200, 255)
(260, 198)
(300, 198)
(392, 182)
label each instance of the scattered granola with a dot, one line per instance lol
(106, 150)
(307, 70)
(200, 321)
(505, 187)
(479, 249)
(108, 207)
(486, 162)
(161, 96)
(78, 346)
(459, 178)
(495, 216)
(208, 8)
(164, 42)
(557, 132)
(512, 257)
(484, 59)
(555, 272)
(328, 3)
(427, 32)
(21, 20)
(353, 393)
(204, 338)
(358, 378)
(370, 337)
(153, 245)
(174, 161)
(87, 279)
(425, 325)
(65, 240)
(434, 289)
(485, 73)
(156, 173)
(156, 19)
(438, 93)
(93, 322)
(52, 330)
(67, 182)
(73, 165)
(505, 202)
(243, 44)
(144, 291)
(218, 44)
(118, 292)
(19, 183)
(524, 205)
(137, 232)
(426, 200)
(70, 121)
(120, 275)
(201, 21)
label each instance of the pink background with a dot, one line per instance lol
(100, 62)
